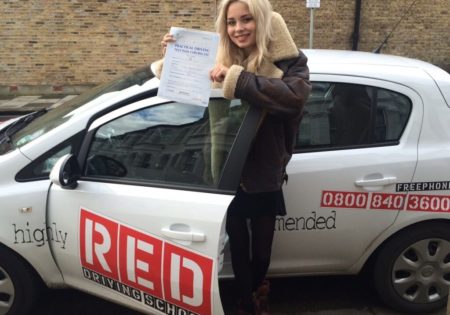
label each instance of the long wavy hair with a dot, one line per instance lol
(230, 54)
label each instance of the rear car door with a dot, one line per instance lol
(358, 138)
(145, 224)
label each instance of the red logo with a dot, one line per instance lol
(166, 273)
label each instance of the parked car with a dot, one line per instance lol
(123, 194)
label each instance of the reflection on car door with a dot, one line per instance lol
(146, 222)
(352, 149)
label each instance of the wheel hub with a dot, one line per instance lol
(427, 271)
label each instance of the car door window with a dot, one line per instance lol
(342, 115)
(172, 143)
(40, 168)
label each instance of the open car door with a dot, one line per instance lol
(142, 206)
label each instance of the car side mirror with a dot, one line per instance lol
(66, 172)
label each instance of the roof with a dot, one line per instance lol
(325, 56)
(319, 61)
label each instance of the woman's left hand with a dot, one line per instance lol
(218, 73)
(168, 38)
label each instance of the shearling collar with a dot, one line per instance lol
(282, 46)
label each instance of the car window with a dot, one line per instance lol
(342, 115)
(45, 167)
(41, 167)
(172, 143)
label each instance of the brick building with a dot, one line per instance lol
(74, 43)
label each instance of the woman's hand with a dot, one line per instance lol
(168, 38)
(218, 73)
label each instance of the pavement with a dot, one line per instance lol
(18, 104)
(339, 295)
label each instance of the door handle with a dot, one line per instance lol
(376, 182)
(183, 235)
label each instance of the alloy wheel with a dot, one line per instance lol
(6, 292)
(421, 274)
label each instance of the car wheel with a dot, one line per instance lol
(412, 270)
(19, 286)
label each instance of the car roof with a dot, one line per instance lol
(329, 56)
(372, 64)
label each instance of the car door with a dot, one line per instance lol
(358, 138)
(144, 225)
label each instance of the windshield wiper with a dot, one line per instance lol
(5, 137)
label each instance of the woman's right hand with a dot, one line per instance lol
(218, 73)
(167, 38)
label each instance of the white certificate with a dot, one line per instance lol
(185, 73)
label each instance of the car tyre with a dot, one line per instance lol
(19, 284)
(412, 270)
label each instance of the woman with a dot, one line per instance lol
(259, 62)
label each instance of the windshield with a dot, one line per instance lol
(57, 116)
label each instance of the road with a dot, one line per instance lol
(337, 295)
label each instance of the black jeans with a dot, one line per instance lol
(250, 267)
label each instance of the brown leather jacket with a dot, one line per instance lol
(280, 87)
(283, 100)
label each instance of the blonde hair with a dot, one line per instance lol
(230, 54)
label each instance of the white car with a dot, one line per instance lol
(123, 194)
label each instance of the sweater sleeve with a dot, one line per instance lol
(157, 67)
(284, 96)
